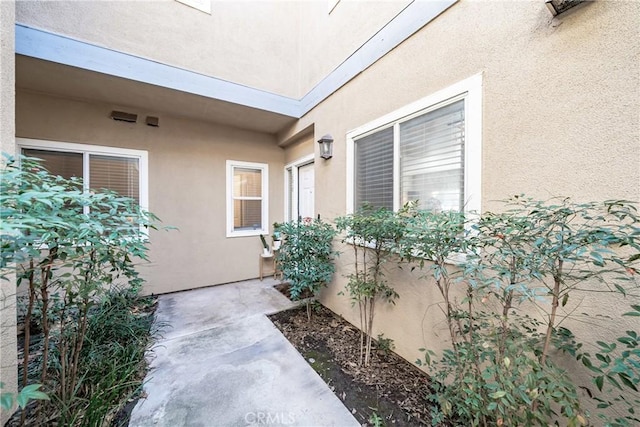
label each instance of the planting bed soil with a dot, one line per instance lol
(389, 388)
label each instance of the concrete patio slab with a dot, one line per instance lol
(221, 362)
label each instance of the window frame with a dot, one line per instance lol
(264, 226)
(87, 150)
(469, 90)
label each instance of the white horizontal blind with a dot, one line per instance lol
(374, 170)
(119, 174)
(432, 159)
(247, 198)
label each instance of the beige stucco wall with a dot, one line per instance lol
(187, 178)
(8, 344)
(327, 39)
(299, 149)
(285, 47)
(561, 117)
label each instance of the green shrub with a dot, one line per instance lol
(70, 248)
(373, 234)
(306, 256)
(499, 369)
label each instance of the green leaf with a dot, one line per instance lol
(6, 400)
(498, 394)
(626, 381)
(597, 259)
(599, 380)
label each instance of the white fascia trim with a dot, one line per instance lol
(141, 155)
(411, 19)
(44, 45)
(231, 164)
(470, 89)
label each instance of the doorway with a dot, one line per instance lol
(300, 189)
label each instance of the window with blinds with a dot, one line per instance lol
(120, 174)
(64, 164)
(246, 198)
(431, 169)
(374, 170)
(432, 159)
(429, 152)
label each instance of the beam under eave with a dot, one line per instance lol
(63, 50)
(56, 48)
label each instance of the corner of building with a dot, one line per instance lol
(8, 345)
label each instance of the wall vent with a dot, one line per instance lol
(153, 121)
(121, 116)
(556, 7)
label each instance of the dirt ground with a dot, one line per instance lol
(390, 388)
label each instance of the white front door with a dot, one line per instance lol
(306, 191)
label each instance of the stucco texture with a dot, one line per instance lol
(8, 342)
(187, 178)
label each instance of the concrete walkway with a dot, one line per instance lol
(221, 362)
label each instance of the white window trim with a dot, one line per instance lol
(295, 167)
(470, 90)
(231, 164)
(86, 150)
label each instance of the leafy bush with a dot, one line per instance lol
(620, 370)
(373, 235)
(112, 362)
(499, 370)
(306, 256)
(70, 248)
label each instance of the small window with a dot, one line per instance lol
(121, 170)
(247, 199)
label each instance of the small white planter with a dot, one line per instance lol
(266, 252)
(276, 245)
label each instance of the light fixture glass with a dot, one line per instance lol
(326, 146)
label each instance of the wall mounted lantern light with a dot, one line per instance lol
(326, 146)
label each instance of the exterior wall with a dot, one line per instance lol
(299, 149)
(8, 343)
(187, 178)
(284, 47)
(561, 102)
(327, 39)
